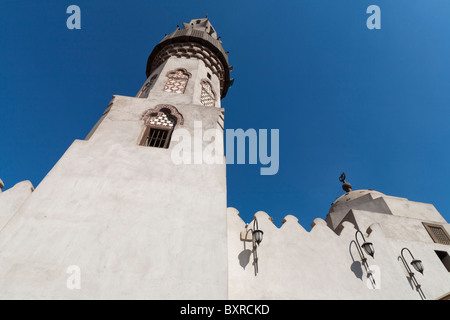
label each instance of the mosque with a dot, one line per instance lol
(116, 218)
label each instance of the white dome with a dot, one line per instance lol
(352, 195)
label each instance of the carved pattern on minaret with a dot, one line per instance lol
(207, 95)
(177, 81)
(191, 50)
(162, 116)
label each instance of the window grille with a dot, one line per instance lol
(177, 81)
(437, 233)
(159, 122)
(208, 97)
(158, 138)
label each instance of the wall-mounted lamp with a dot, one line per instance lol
(256, 239)
(257, 234)
(418, 266)
(369, 249)
(367, 246)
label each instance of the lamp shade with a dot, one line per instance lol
(368, 248)
(417, 264)
(258, 234)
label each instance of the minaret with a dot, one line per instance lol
(133, 211)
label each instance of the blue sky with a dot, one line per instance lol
(372, 103)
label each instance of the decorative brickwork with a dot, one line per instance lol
(162, 116)
(192, 50)
(177, 81)
(208, 97)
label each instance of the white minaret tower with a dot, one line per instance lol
(134, 211)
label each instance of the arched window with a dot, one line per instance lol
(177, 81)
(207, 96)
(147, 86)
(159, 124)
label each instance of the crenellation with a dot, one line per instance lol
(290, 222)
(344, 227)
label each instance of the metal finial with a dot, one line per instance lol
(345, 185)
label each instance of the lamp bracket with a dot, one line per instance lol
(246, 236)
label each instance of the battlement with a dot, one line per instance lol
(292, 263)
(290, 226)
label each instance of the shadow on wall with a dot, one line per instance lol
(244, 257)
(411, 279)
(356, 266)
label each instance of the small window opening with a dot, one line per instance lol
(159, 125)
(158, 138)
(445, 259)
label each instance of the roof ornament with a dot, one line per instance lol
(345, 185)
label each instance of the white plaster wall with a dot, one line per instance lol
(12, 199)
(358, 199)
(137, 225)
(412, 209)
(396, 227)
(373, 201)
(295, 264)
(435, 281)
